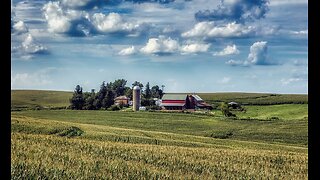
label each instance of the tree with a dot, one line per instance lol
(225, 110)
(128, 92)
(77, 101)
(119, 87)
(156, 92)
(147, 91)
(137, 83)
(100, 96)
(89, 100)
(109, 98)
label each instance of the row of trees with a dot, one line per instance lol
(104, 98)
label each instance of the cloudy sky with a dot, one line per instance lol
(186, 45)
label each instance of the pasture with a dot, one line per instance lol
(64, 144)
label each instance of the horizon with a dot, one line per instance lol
(187, 45)
(71, 91)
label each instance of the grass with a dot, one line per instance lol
(198, 125)
(31, 99)
(265, 142)
(255, 98)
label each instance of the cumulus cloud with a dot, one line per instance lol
(70, 22)
(235, 10)
(195, 48)
(208, 29)
(258, 53)
(111, 23)
(30, 46)
(257, 56)
(166, 46)
(19, 27)
(160, 46)
(128, 51)
(229, 50)
(81, 23)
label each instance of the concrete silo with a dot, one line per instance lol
(136, 98)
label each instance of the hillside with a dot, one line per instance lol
(30, 99)
(266, 141)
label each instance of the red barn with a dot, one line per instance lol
(183, 101)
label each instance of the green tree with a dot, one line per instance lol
(147, 91)
(89, 100)
(109, 97)
(128, 92)
(100, 96)
(119, 87)
(225, 110)
(137, 83)
(156, 92)
(77, 101)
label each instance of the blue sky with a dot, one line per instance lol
(186, 45)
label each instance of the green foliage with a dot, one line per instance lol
(225, 110)
(119, 87)
(147, 92)
(77, 101)
(114, 108)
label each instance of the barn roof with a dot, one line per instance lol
(174, 97)
(198, 98)
(121, 98)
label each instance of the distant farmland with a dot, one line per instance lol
(30, 99)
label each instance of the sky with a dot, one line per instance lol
(185, 45)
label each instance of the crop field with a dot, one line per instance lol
(265, 142)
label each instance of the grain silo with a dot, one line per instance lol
(136, 98)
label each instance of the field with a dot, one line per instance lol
(69, 144)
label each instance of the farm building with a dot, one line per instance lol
(124, 100)
(183, 101)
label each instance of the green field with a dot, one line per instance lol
(64, 144)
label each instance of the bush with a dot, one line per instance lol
(114, 108)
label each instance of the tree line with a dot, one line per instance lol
(104, 98)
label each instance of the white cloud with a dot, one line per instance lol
(229, 50)
(195, 48)
(258, 53)
(20, 28)
(302, 32)
(111, 23)
(57, 20)
(210, 30)
(30, 46)
(160, 45)
(128, 51)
